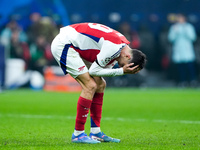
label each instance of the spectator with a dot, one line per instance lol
(40, 54)
(33, 30)
(19, 49)
(48, 29)
(165, 47)
(41, 32)
(7, 33)
(147, 45)
(41, 26)
(182, 35)
(130, 34)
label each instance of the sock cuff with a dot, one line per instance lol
(97, 95)
(98, 98)
(84, 102)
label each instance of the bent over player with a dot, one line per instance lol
(88, 51)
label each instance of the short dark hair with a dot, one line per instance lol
(139, 58)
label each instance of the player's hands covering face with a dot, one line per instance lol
(130, 69)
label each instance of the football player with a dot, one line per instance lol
(88, 51)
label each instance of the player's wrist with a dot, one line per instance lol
(122, 70)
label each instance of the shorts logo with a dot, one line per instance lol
(81, 68)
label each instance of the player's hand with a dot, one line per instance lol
(131, 70)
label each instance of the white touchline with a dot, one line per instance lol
(29, 116)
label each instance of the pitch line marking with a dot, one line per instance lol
(29, 116)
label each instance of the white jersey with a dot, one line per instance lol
(95, 43)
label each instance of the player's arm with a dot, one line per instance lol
(100, 67)
(96, 70)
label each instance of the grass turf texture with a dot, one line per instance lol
(142, 119)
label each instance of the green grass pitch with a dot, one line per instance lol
(142, 119)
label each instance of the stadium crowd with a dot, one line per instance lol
(33, 46)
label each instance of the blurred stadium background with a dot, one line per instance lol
(27, 28)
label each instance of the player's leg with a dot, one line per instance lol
(71, 63)
(97, 102)
(84, 102)
(96, 106)
(96, 113)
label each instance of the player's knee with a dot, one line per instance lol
(91, 87)
(102, 85)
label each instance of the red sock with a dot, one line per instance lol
(96, 109)
(83, 107)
